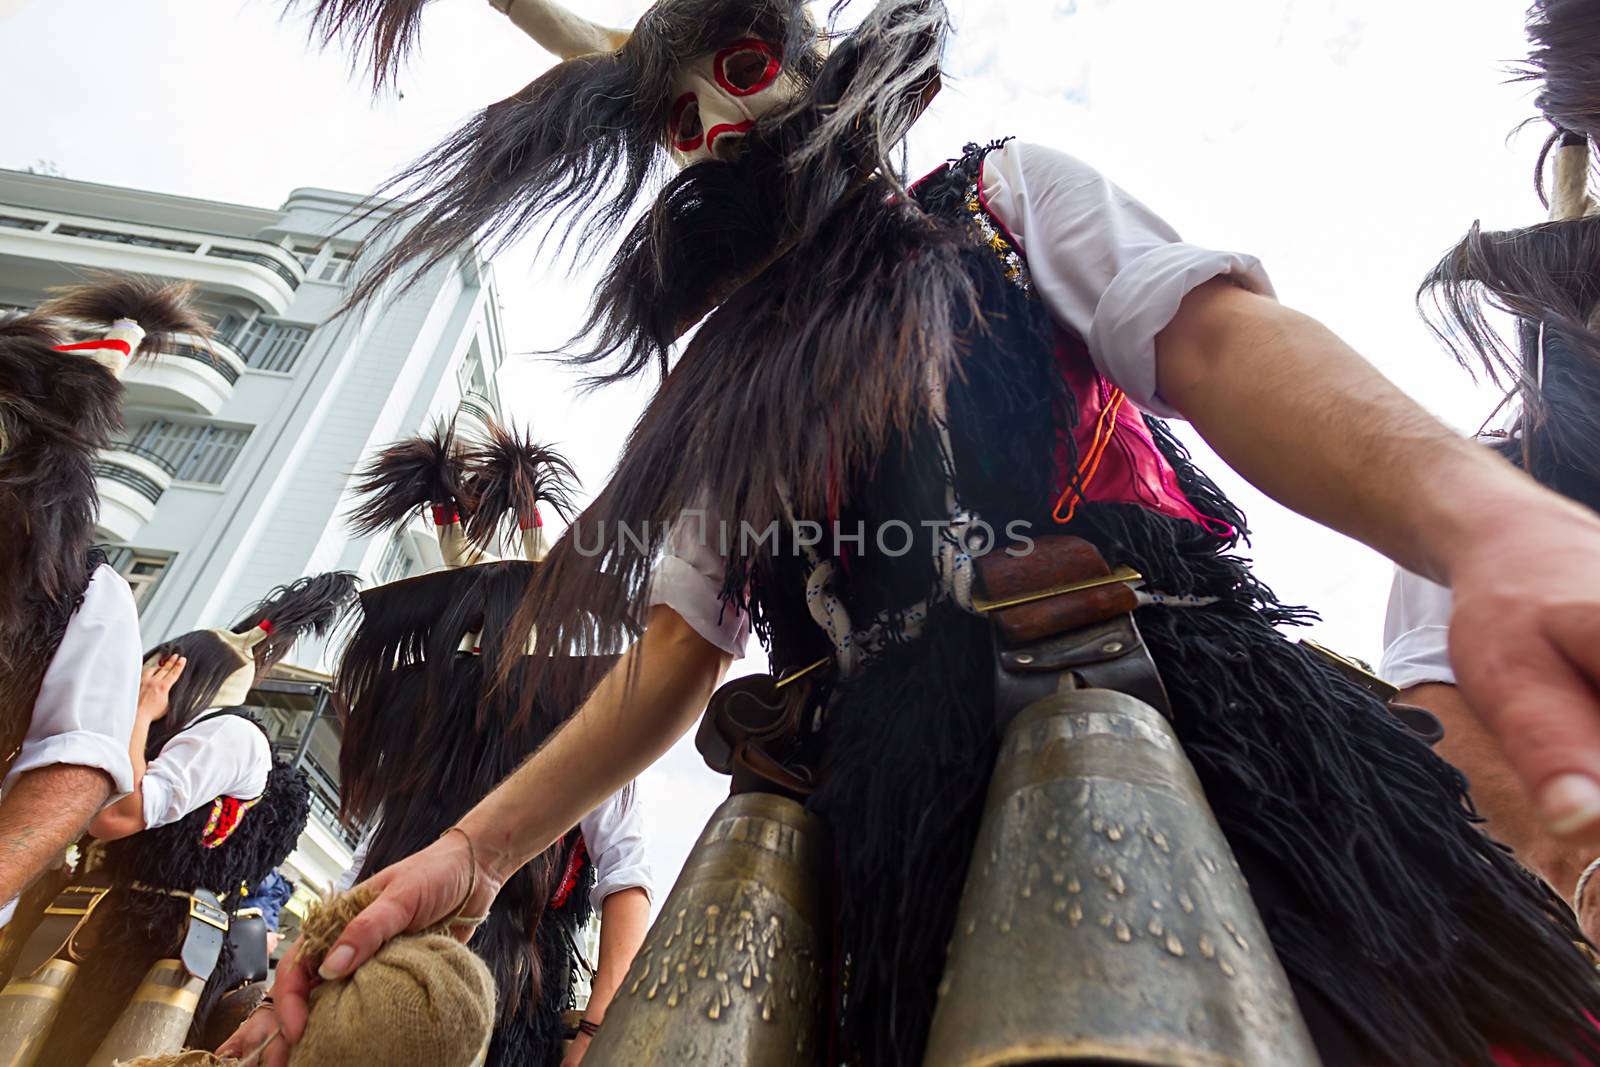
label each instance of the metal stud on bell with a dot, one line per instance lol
(1104, 917)
(733, 973)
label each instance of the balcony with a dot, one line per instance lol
(191, 376)
(474, 415)
(46, 248)
(130, 480)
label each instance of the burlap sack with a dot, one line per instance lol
(423, 999)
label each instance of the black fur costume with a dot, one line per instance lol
(429, 730)
(131, 928)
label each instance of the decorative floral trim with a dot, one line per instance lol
(1011, 261)
(226, 815)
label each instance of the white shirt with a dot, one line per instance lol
(1105, 266)
(613, 834)
(222, 757)
(1416, 633)
(84, 713)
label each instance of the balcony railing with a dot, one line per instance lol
(138, 481)
(479, 406)
(228, 371)
(259, 259)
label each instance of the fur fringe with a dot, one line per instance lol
(1566, 62)
(510, 473)
(311, 605)
(57, 411)
(379, 34)
(161, 309)
(406, 477)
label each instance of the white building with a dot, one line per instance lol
(231, 475)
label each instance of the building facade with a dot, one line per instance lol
(232, 473)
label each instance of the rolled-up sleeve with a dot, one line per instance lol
(84, 713)
(222, 757)
(688, 578)
(1416, 633)
(1104, 264)
(615, 836)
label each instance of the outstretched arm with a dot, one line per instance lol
(626, 724)
(1302, 416)
(42, 813)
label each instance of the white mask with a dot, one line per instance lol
(720, 95)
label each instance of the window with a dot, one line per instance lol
(397, 561)
(336, 266)
(143, 570)
(267, 344)
(126, 238)
(11, 222)
(305, 252)
(198, 452)
(469, 375)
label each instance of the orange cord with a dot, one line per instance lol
(1089, 465)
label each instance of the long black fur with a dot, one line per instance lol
(1566, 62)
(510, 474)
(407, 477)
(57, 410)
(162, 309)
(425, 738)
(1548, 278)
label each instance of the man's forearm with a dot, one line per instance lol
(638, 710)
(624, 920)
(42, 812)
(1302, 416)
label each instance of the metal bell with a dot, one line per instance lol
(733, 973)
(1104, 917)
(157, 1017)
(28, 1007)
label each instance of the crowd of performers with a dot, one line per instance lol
(1036, 775)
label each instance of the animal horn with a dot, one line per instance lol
(559, 31)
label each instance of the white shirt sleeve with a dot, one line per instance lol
(614, 835)
(347, 880)
(688, 579)
(84, 713)
(1103, 263)
(222, 757)
(1416, 633)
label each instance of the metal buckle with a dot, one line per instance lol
(1118, 576)
(207, 910)
(94, 893)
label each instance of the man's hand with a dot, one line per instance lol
(260, 1028)
(1525, 644)
(1308, 421)
(155, 685)
(420, 891)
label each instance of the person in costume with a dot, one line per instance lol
(69, 630)
(211, 812)
(1548, 278)
(428, 731)
(979, 352)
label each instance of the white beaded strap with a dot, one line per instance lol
(1583, 883)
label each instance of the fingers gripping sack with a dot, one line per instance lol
(425, 998)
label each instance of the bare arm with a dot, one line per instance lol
(126, 817)
(42, 813)
(1301, 415)
(624, 920)
(626, 724)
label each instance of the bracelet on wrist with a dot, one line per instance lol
(588, 1027)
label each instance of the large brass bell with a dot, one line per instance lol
(733, 973)
(28, 1007)
(1104, 917)
(157, 1017)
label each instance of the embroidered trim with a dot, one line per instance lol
(570, 876)
(226, 815)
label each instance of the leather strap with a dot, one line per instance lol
(67, 916)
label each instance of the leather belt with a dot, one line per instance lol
(68, 916)
(1063, 618)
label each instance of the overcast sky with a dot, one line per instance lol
(1347, 143)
